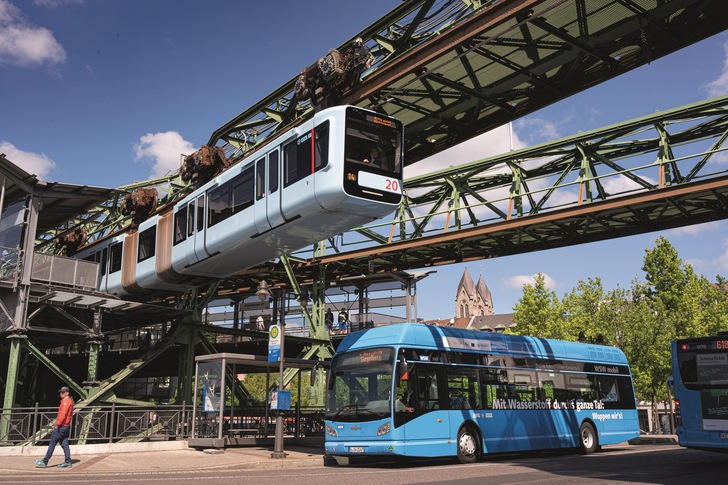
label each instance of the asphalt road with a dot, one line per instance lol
(649, 464)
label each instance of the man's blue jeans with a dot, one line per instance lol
(59, 434)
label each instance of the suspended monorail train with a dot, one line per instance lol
(338, 170)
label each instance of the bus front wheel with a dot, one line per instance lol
(468, 447)
(587, 438)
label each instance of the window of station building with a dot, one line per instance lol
(180, 226)
(115, 252)
(147, 240)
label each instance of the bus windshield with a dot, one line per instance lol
(360, 385)
(703, 363)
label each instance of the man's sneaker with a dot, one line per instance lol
(40, 464)
(65, 464)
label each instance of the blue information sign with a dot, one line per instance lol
(280, 400)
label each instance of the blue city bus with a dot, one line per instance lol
(414, 390)
(700, 380)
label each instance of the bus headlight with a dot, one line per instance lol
(384, 429)
(331, 431)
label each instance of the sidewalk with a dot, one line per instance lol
(148, 457)
(169, 456)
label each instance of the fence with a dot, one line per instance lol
(98, 424)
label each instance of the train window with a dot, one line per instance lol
(191, 218)
(115, 258)
(102, 261)
(180, 226)
(242, 190)
(260, 179)
(297, 160)
(219, 207)
(322, 145)
(373, 140)
(147, 239)
(273, 172)
(200, 213)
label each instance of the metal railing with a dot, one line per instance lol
(97, 424)
(71, 272)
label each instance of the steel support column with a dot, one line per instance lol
(10, 381)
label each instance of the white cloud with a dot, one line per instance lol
(25, 44)
(163, 149)
(36, 164)
(487, 145)
(719, 86)
(537, 130)
(518, 281)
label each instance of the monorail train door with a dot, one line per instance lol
(196, 231)
(267, 196)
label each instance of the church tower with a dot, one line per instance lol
(472, 299)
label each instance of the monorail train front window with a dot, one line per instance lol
(373, 156)
(374, 141)
(360, 385)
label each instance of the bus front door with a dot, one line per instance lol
(431, 427)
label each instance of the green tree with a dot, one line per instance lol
(600, 315)
(539, 312)
(666, 275)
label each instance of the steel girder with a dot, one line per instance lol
(453, 69)
(654, 172)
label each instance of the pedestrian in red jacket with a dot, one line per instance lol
(61, 431)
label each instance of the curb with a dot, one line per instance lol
(97, 449)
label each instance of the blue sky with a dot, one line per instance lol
(107, 92)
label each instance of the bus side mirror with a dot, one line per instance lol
(401, 368)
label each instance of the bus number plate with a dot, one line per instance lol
(356, 449)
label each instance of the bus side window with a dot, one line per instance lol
(428, 393)
(463, 390)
